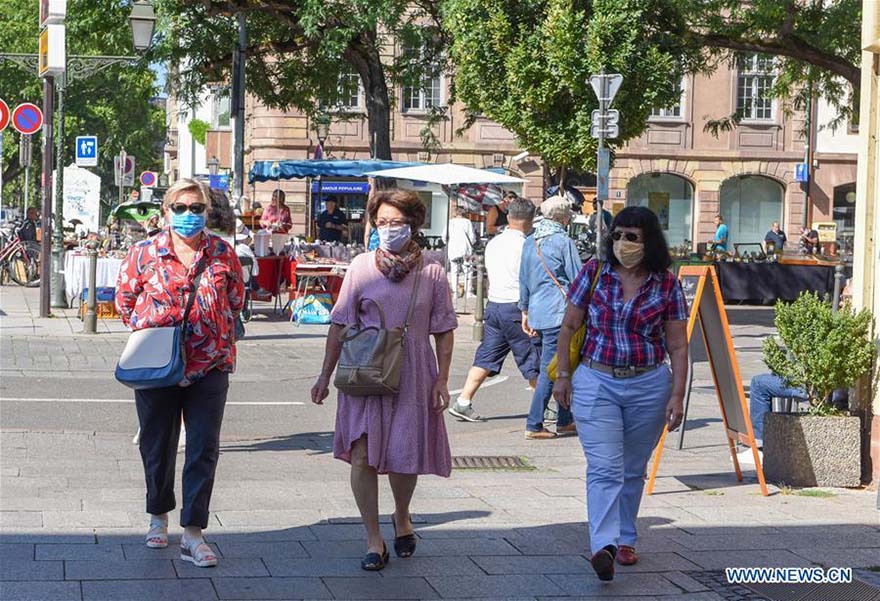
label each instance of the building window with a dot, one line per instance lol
(750, 204)
(424, 87)
(673, 112)
(350, 93)
(221, 109)
(671, 198)
(754, 82)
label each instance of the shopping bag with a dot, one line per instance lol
(312, 309)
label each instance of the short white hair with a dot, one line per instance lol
(556, 208)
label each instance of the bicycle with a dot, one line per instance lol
(19, 259)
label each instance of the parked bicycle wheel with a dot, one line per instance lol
(23, 266)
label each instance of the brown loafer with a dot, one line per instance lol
(540, 435)
(626, 556)
(569, 430)
(603, 563)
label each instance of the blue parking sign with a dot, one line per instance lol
(87, 151)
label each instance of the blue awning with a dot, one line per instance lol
(264, 171)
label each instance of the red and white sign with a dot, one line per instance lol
(4, 115)
(27, 118)
(149, 179)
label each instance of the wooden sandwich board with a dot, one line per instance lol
(703, 294)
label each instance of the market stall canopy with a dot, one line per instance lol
(139, 211)
(448, 174)
(264, 171)
(475, 197)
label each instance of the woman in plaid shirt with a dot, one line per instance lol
(623, 392)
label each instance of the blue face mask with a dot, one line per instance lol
(187, 224)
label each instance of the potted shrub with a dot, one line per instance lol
(820, 351)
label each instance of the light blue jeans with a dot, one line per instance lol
(619, 422)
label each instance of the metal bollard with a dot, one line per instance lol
(90, 322)
(838, 288)
(478, 310)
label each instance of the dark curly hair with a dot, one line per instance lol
(221, 217)
(405, 201)
(657, 258)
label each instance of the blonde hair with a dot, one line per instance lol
(184, 185)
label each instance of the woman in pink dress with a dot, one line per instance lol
(403, 435)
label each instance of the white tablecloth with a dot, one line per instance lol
(76, 274)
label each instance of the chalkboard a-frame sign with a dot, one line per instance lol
(700, 285)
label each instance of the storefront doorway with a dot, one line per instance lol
(750, 204)
(671, 197)
(351, 198)
(845, 215)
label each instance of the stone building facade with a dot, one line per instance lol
(748, 173)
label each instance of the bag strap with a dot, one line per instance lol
(547, 269)
(412, 298)
(595, 281)
(200, 267)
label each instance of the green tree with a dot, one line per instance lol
(115, 105)
(816, 44)
(526, 65)
(297, 51)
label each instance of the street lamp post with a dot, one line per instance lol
(213, 165)
(322, 123)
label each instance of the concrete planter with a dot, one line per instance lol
(807, 450)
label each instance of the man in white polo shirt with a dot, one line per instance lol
(503, 331)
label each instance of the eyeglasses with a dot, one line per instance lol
(391, 223)
(196, 208)
(628, 236)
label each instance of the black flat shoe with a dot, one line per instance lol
(373, 562)
(603, 563)
(404, 546)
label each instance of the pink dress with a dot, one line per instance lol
(404, 433)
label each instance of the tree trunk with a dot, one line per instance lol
(364, 56)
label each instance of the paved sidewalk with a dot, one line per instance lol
(286, 527)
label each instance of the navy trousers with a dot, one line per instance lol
(159, 411)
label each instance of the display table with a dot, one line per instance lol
(273, 272)
(766, 283)
(76, 274)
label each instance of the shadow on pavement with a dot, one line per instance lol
(456, 557)
(321, 442)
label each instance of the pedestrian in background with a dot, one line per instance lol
(497, 217)
(503, 328)
(276, 217)
(550, 263)
(722, 233)
(155, 282)
(623, 392)
(401, 435)
(460, 237)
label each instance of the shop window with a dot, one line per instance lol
(844, 214)
(424, 88)
(671, 197)
(673, 112)
(750, 204)
(755, 77)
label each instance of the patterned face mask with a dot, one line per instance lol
(393, 239)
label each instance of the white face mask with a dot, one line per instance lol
(393, 239)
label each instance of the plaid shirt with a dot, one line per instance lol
(627, 333)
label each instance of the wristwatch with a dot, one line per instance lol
(562, 374)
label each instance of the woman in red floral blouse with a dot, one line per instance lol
(276, 217)
(154, 285)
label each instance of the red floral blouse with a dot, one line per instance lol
(154, 287)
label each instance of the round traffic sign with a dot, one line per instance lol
(4, 115)
(148, 178)
(27, 118)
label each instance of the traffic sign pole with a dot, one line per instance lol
(600, 198)
(122, 158)
(59, 296)
(45, 222)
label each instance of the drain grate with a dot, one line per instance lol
(490, 462)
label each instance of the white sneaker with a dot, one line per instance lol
(745, 457)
